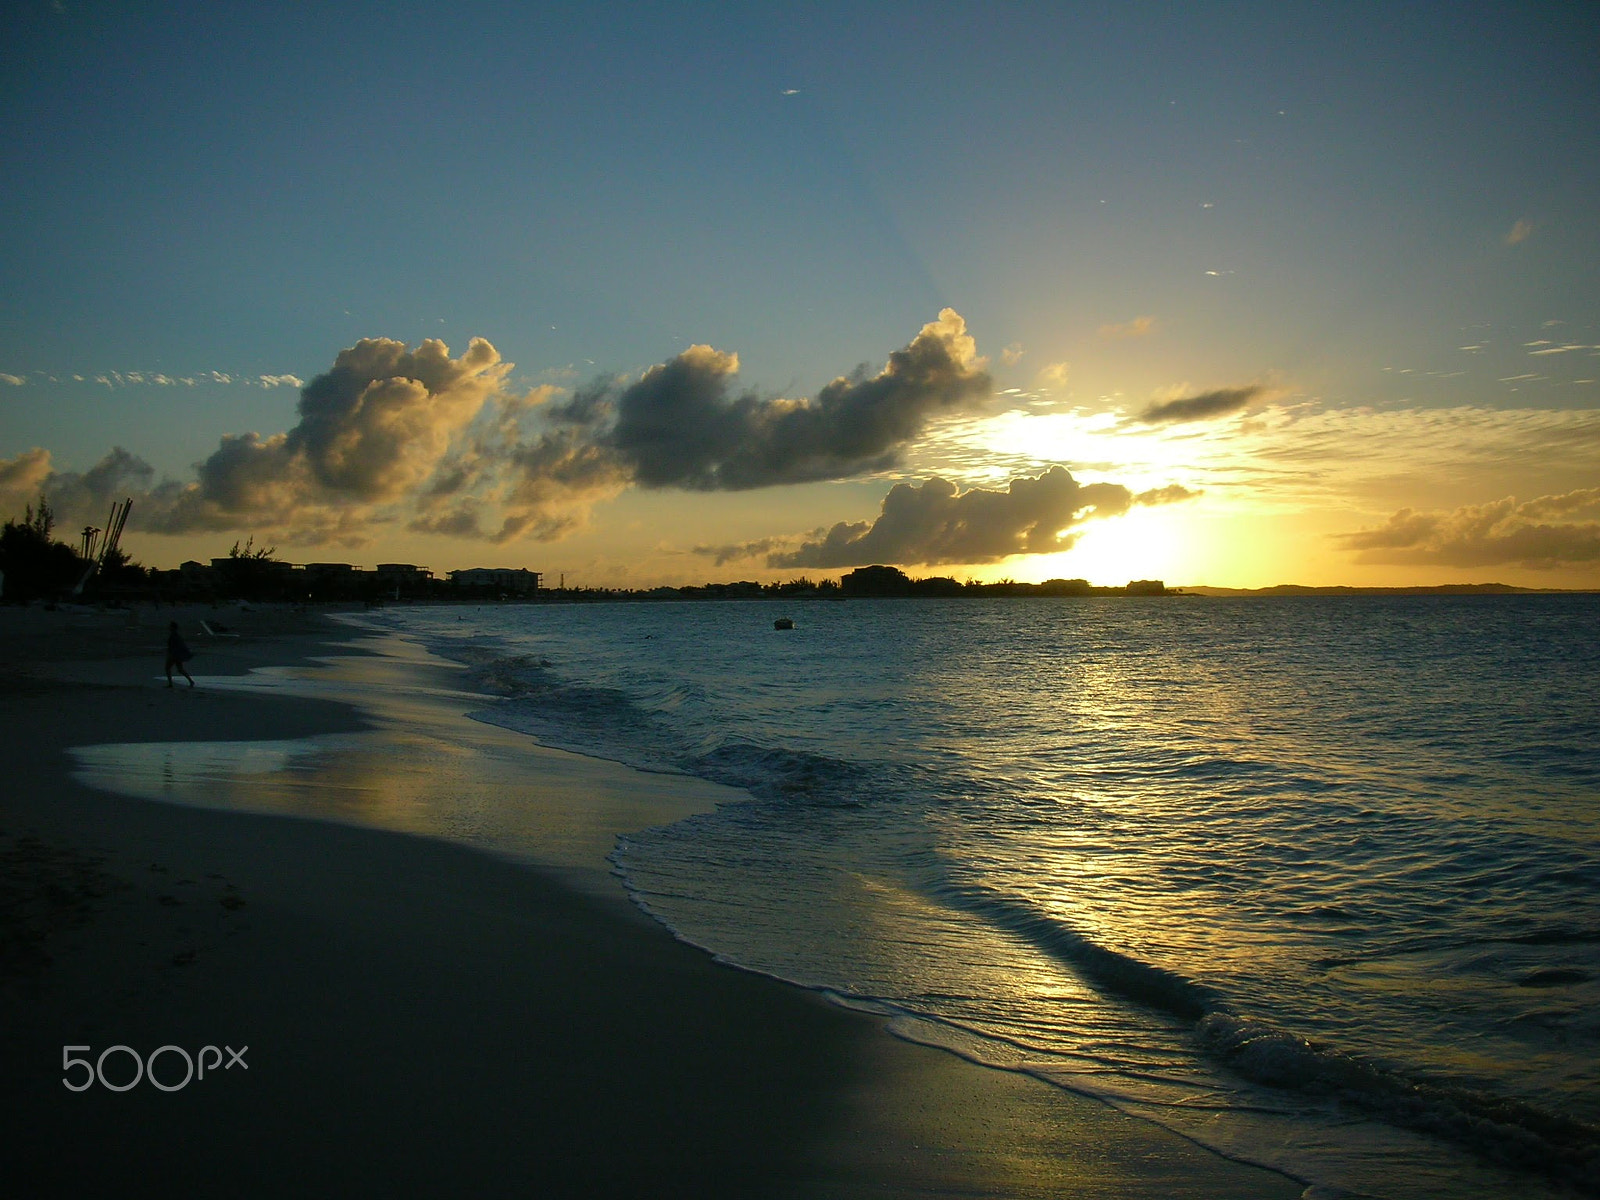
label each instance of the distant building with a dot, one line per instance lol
(264, 568)
(515, 580)
(400, 576)
(330, 573)
(1146, 587)
(1065, 587)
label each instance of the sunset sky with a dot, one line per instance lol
(1219, 294)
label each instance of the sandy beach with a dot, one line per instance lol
(415, 1017)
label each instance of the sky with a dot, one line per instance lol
(1225, 294)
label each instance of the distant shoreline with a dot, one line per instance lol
(1440, 589)
(1012, 591)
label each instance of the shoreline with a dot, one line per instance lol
(425, 1018)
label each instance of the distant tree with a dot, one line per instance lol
(249, 573)
(118, 569)
(36, 567)
(876, 581)
(40, 522)
(935, 585)
(246, 554)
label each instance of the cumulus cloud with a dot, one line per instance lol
(74, 497)
(371, 430)
(1496, 534)
(23, 478)
(89, 496)
(683, 425)
(679, 426)
(933, 523)
(1203, 407)
(1140, 326)
(415, 437)
(555, 480)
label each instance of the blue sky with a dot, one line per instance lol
(1344, 208)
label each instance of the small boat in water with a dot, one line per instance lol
(783, 623)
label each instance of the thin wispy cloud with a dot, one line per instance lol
(744, 551)
(1141, 326)
(1285, 457)
(1520, 232)
(1054, 375)
(123, 379)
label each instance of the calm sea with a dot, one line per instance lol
(1312, 881)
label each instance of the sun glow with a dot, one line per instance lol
(1145, 543)
(1143, 457)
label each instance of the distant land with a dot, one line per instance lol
(1442, 589)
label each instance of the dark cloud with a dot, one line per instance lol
(739, 551)
(681, 425)
(1485, 535)
(1171, 494)
(933, 523)
(678, 426)
(461, 520)
(1204, 407)
(73, 497)
(554, 481)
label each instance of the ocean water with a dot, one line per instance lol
(1312, 881)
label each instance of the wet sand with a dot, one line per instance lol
(423, 1018)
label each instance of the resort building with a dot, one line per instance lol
(514, 580)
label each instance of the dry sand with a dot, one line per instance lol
(423, 1019)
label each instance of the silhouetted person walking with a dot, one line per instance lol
(178, 653)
